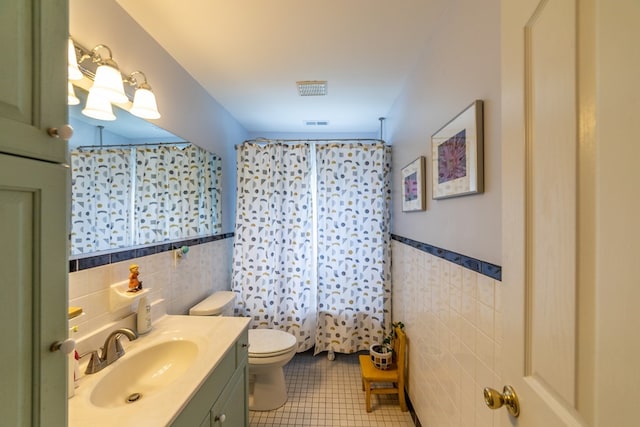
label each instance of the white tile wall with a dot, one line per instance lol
(175, 285)
(453, 318)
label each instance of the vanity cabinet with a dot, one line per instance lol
(231, 407)
(223, 398)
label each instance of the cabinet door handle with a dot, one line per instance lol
(64, 132)
(221, 418)
(66, 346)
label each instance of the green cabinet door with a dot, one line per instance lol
(231, 407)
(33, 70)
(33, 207)
(33, 287)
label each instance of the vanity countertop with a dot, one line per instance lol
(214, 337)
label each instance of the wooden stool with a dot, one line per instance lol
(393, 375)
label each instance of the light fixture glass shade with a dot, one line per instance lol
(108, 83)
(72, 99)
(98, 107)
(144, 104)
(74, 72)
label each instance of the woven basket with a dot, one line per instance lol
(380, 360)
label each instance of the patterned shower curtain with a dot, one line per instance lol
(272, 250)
(331, 291)
(354, 275)
(100, 199)
(177, 193)
(125, 197)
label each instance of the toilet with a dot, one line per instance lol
(269, 351)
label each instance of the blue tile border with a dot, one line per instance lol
(482, 267)
(105, 259)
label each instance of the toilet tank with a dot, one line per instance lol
(217, 304)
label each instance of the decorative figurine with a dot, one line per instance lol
(134, 284)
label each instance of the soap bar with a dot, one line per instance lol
(74, 312)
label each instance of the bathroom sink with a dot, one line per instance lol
(159, 373)
(136, 377)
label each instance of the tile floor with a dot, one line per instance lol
(329, 393)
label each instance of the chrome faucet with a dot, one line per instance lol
(111, 350)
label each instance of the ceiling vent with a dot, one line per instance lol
(316, 123)
(312, 87)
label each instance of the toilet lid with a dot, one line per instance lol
(269, 342)
(214, 304)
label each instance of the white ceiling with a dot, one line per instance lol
(248, 54)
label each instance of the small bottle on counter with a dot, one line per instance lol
(144, 315)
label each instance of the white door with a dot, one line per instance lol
(571, 197)
(540, 214)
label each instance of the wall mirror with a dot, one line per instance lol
(134, 184)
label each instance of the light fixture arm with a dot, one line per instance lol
(95, 57)
(132, 80)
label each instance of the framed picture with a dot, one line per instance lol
(413, 188)
(457, 155)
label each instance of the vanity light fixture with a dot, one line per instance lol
(74, 72)
(72, 99)
(108, 80)
(108, 84)
(98, 107)
(144, 101)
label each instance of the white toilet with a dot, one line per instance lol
(269, 351)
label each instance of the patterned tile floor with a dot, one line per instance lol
(329, 393)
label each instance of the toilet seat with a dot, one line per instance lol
(270, 343)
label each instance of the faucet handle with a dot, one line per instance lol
(119, 348)
(95, 363)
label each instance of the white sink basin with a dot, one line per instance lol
(165, 368)
(136, 377)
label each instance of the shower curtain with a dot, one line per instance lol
(123, 197)
(354, 285)
(177, 193)
(273, 254)
(311, 247)
(100, 199)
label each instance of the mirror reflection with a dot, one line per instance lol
(134, 184)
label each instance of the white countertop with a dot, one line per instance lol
(214, 337)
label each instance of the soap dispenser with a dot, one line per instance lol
(144, 315)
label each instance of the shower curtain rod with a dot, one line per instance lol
(267, 140)
(146, 144)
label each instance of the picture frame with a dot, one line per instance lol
(457, 155)
(413, 186)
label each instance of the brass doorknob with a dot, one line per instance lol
(494, 399)
(64, 132)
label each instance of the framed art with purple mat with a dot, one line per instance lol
(413, 187)
(457, 155)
